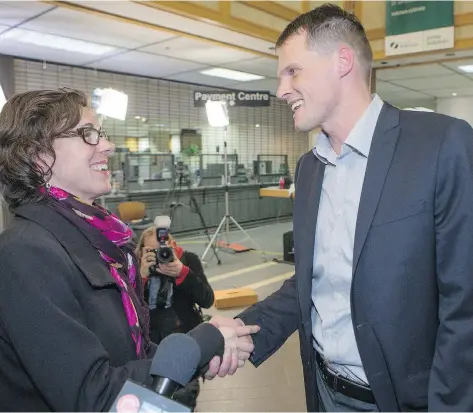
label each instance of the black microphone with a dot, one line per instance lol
(174, 363)
(211, 343)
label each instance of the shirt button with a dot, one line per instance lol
(339, 213)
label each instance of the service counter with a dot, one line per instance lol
(246, 205)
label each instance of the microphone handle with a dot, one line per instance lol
(165, 386)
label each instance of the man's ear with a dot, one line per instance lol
(346, 60)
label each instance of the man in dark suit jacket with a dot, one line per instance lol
(382, 294)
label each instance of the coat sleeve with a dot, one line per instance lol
(195, 284)
(450, 384)
(45, 324)
(278, 316)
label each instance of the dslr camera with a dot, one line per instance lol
(164, 253)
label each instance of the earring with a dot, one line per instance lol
(47, 185)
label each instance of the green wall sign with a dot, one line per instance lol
(418, 26)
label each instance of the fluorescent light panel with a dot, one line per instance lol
(231, 74)
(56, 42)
(466, 68)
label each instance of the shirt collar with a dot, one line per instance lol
(359, 138)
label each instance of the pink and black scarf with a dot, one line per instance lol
(111, 237)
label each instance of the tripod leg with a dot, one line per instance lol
(196, 208)
(247, 235)
(213, 238)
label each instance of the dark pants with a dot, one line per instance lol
(329, 401)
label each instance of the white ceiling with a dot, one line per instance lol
(136, 50)
(421, 85)
(164, 53)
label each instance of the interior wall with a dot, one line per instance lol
(165, 108)
(458, 107)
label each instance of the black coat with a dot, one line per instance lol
(65, 344)
(412, 288)
(184, 314)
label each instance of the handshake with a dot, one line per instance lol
(238, 346)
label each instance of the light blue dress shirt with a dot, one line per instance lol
(332, 327)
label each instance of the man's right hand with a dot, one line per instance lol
(243, 343)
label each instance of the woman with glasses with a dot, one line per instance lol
(73, 322)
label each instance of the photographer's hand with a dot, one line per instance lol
(148, 259)
(171, 269)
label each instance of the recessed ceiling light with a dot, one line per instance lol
(466, 68)
(137, 117)
(231, 74)
(454, 94)
(257, 126)
(56, 42)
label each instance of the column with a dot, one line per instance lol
(7, 76)
(373, 81)
(312, 138)
(458, 107)
(7, 82)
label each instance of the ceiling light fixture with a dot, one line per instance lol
(466, 68)
(454, 94)
(231, 74)
(56, 42)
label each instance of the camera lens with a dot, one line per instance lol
(165, 255)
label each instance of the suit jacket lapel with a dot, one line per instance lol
(381, 153)
(306, 206)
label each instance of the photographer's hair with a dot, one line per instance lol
(148, 232)
(329, 25)
(29, 124)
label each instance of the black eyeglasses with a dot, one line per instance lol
(91, 136)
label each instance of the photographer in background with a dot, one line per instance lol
(175, 289)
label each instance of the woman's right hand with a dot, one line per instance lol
(148, 259)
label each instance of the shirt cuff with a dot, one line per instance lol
(182, 276)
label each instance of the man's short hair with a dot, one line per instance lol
(326, 27)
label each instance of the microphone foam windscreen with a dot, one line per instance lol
(210, 341)
(177, 358)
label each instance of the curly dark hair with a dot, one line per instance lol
(29, 124)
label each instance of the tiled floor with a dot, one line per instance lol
(277, 384)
